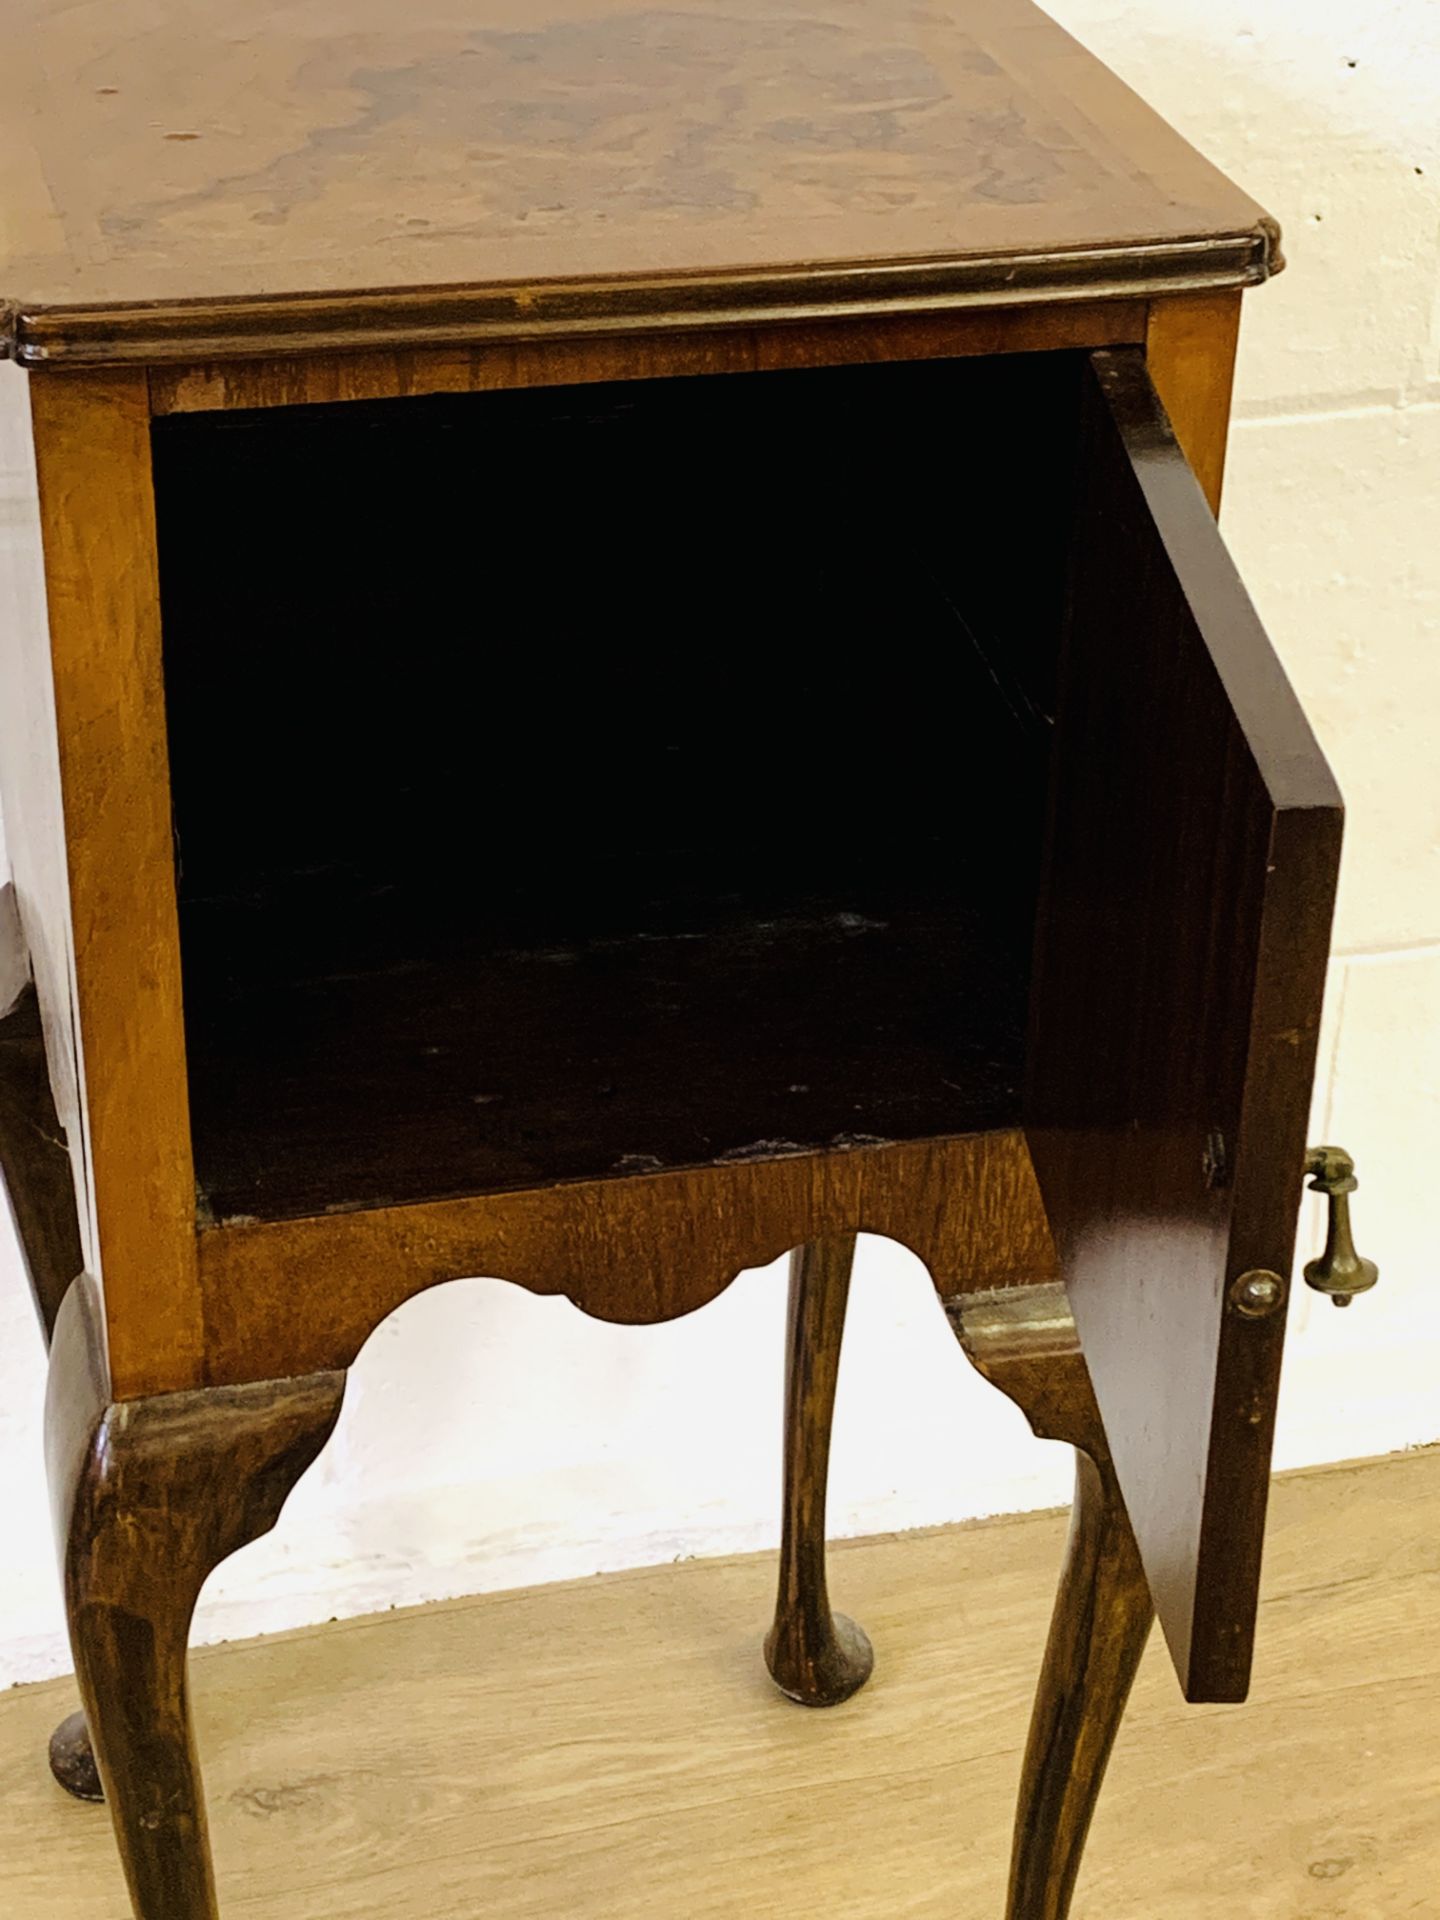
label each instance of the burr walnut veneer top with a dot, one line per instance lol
(215, 178)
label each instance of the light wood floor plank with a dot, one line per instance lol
(612, 1747)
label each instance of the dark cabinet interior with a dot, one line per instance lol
(591, 780)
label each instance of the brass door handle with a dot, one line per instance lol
(1340, 1271)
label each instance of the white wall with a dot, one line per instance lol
(491, 1439)
(1329, 113)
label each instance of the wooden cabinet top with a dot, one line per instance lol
(216, 178)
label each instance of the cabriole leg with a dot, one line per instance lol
(149, 1496)
(1024, 1340)
(815, 1656)
(40, 1191)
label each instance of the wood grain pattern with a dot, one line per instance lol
(611, 1746)
(816, 1657)
(322, 378)
(304, 1295)
(591, 166)
(149, 1497)
(1184, 932)
(1190, 343)
(1025, 1342)
(97, 520)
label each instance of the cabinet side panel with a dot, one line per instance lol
(30, 780)
(92, 443)
(1190, 343)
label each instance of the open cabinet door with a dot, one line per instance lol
(1193, 845)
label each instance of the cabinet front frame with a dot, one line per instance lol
(169, 1285)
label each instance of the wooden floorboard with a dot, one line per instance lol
(612, 1747)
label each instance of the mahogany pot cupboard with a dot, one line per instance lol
(624, 665)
